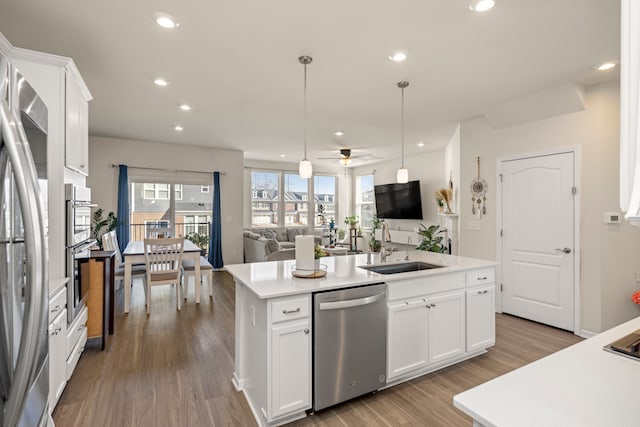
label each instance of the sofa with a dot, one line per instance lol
(272, 244)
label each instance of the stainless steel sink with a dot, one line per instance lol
(404, 267)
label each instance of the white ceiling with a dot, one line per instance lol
(236, 63)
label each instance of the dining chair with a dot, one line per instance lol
(110, 243)
(189, 269)
(163, 259)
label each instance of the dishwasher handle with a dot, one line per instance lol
(351, 302)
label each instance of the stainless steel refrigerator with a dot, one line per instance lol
(24, 376)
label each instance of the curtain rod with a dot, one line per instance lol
(164, 170)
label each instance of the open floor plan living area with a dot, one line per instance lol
(252, 213)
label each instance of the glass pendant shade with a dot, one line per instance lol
(304, 168)
(402, 176)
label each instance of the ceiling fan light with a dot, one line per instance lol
(304, 169)
(402, 177)
(345, 161)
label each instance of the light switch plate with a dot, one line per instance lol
(612, 217)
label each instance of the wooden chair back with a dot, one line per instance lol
(164, 260)
(110, 243)
(159, 232)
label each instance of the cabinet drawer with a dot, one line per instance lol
(57, 303)
(480, 277)
(76, 352)
(409, 288)
(76, 329)
(289, 309)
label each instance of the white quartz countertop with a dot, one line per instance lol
(582, 385)
(274, 279)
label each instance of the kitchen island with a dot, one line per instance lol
(435, 318)
(582, 385)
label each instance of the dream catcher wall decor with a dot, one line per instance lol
(478, 195)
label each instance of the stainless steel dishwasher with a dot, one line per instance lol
(349, 343)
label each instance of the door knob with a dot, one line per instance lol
(565, 250)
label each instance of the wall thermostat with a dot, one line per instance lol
(612, 217)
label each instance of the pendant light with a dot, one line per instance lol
(305, 169)
(403, 174)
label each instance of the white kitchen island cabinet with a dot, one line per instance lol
(426, 325)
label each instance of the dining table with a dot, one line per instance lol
(134, 254)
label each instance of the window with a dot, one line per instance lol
(296, 200)
(364, 200)
(265, 190)
(324, 188)
(188, 211)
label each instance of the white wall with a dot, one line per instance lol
(428, 168)
(103, 178)
(610, 253)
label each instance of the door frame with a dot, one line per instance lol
(577, 161)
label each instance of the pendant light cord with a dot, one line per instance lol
(305, 112)
(402, 124)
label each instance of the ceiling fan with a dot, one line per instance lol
(346, 157)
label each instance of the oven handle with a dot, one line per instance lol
(351, 303)
(79, 204)
(82, 246)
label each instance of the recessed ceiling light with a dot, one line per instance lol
(283, 155)
(338, 133)
(166, 21)
(160, 82)
(178, 128)
(482, 5)
(185, 107)
(605, 66)
(398, 56)
(420, 144)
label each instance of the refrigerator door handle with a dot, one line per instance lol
(35, 303)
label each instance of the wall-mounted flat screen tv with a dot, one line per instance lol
(398, 201)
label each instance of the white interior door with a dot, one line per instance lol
(538, 239)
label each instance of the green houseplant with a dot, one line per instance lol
(98, 223)
(200, 240)
(430, 239)
(375, 244)
(351, 221)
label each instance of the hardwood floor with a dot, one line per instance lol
(174, 369)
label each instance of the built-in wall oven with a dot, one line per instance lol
(79, 242)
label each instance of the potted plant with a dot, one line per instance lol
(375, 244)
(341, 234)
(430, 239)
(98, 223)
(200, 240)
(318, 253)
(351, 221)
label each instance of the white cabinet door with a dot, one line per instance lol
(407, 338)
(290, 381)
(481, 318)
(57, 357)
(77, 127)
(446, 326)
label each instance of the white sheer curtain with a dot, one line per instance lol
(630, 110)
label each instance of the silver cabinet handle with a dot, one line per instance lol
(285, 311)
(81, 327)
(56, 309)
(56, 331)
(483, 292)
(565, 250)
(482, 278)
(306, 330)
